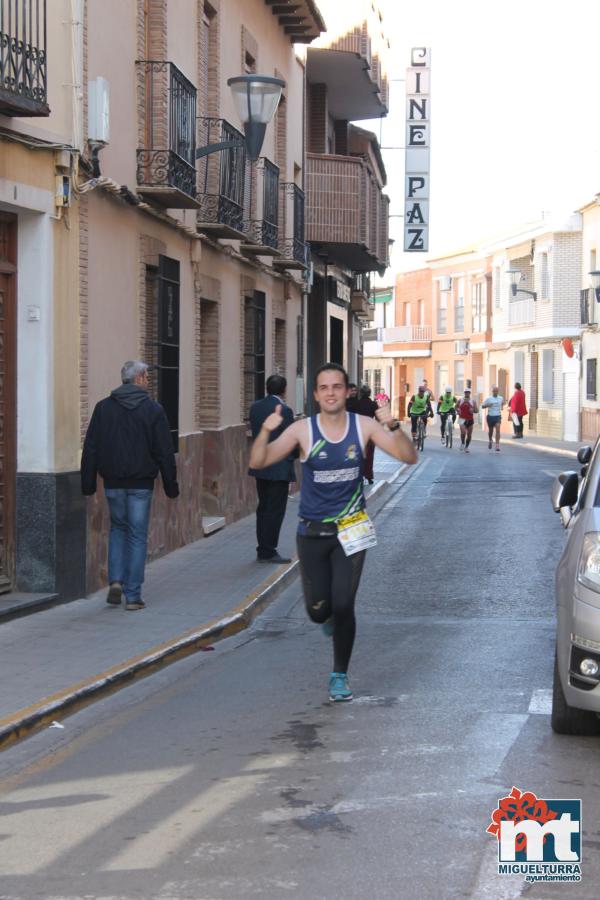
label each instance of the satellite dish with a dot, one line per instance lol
(567, 345)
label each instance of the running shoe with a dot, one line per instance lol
(327, 627)
(490, 445)
(339, 689)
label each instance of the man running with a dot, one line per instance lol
(446, 407)
(494, 406)
(419, 407)
(466, 418)
(333, 528)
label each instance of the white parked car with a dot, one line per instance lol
(576, 690)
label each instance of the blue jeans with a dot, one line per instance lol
(128, 538)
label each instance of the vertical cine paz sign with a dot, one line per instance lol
(418, 135)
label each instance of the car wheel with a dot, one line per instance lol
(567, 719)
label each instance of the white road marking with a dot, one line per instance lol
(173, 831)
(541, 702)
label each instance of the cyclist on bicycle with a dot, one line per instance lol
(466, 417)
(419, 407)
(446, 407)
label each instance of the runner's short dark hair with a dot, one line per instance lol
(517, 385)
(276, 384)
(331, 367)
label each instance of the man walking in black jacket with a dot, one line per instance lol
(128, 442)
(272, 483)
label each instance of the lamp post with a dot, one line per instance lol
(256, 98)
(515, 277)
(595, 282)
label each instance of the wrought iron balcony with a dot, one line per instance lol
(292, 246)
(221, 181)
(261, 224)
(23, 65)
(166, 158)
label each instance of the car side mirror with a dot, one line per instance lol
(565, 490)
(584, 454)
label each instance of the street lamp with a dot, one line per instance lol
(256, 98)
(595, 282)
(515, 277)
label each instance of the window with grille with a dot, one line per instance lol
(590, 378)
(162, 338)
(254, 348)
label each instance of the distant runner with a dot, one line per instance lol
(466, 419)
(334, 530)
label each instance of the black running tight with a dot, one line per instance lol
(330, 581)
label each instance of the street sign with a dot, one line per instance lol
(418, 142)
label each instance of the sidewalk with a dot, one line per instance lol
(59, 659)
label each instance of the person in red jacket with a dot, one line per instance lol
(517, 407)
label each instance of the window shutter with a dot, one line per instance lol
(548, 376)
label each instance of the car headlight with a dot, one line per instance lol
(589, 561)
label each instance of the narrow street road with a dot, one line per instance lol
(229, 775)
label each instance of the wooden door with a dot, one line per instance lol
(7, 400)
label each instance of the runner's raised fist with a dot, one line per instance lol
(274, 420)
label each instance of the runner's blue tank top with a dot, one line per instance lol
(332, 484)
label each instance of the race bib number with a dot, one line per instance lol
(356, 532)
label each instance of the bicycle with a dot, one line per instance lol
(420, 433)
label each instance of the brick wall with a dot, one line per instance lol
(84, 412)
(316, 112)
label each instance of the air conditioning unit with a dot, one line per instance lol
(445, 283)
(461, 348)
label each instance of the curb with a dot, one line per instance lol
(70, 700)
(546, 449)
(31, 719)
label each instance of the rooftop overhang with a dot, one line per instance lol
(300, 20)
(352, 94)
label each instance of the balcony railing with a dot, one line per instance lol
(347, 210)
(221, 181)
(166, 158)
(406, 334)
(23, 64)
(292, 245)
(521, 312)
(262, 215)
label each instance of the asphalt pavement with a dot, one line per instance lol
(58, 659)
(229, 775)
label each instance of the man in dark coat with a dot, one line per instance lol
(272, 483)
(367, 407)
(128, 442)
